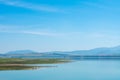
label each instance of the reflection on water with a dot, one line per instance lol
(21, 67)
(77, 70)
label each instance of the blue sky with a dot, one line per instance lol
(58, 25)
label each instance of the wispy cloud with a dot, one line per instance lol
(100, 5)
(38, 32)
(96, 5)
(31, 6)
(54, 33)
(16, 30)
(41, 33)
(60, 34)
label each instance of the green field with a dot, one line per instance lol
(31, 61)
(21, 64)
(19, 67)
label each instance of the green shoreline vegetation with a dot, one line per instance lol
(31, 61)
(19, 67)
(21, 64)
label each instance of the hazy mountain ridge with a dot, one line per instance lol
(93, 52)
(21, 52)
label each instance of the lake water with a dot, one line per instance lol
(78, 70)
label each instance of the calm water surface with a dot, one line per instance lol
(80, 70)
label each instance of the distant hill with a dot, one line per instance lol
(105, 51)
(21, 52)
(96, 51)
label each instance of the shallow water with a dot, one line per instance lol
(79, 70)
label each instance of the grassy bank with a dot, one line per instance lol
(19, 67)
(31, 61)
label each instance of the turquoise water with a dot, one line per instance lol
(80, 70)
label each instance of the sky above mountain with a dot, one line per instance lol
(58, 25)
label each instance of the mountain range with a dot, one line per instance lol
(21, 52)
(105, 51)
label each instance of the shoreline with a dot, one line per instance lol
(1, 65)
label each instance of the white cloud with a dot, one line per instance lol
(30, 6)
(101, 5)
(54, 33)
(41, 33)
(31, 33)
(21, 30)
(96, 5)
